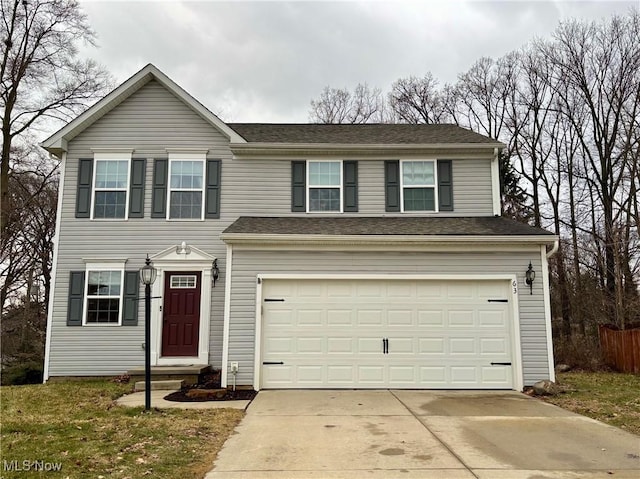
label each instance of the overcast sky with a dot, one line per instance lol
(265, 61)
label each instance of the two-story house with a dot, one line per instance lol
(309, 256)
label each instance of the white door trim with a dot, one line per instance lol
(518, 381)
(169, 260)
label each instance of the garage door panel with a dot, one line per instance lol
(440, 334)
(340, 317)
(400, 317)
(370, 317)
(431, 346)
(431, 318)
(310, 317)
(461, 318)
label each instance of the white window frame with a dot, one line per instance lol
(181, 286)
(110, 156)
(434, 186)
(178, 157)
(309, 187)
(98, 267)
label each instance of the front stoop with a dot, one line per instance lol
(189, 374)
(166, 385)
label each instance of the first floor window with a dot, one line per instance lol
(186, 193)
(325, 185)
(104, 297)
(110, 190)
(418, 186)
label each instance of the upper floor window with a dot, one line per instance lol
(186, 189)
(110, 188)
(325, 186)
(418, 185)
(104, 297)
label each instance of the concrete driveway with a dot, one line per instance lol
(421, 434)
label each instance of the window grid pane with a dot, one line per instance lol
(324, 173)
(186, 205)
(419, 199)
(112, 174)
(103, 296)
(418, 173)
(186, 175)
(110, 204)
(183, 281)
(324, 199)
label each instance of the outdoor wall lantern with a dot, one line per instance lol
(147, 276)
(530, 276)
(215, 272)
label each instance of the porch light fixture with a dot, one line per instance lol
(147, 276)
(530, 276)
(215, 272)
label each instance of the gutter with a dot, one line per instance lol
(387, 239)
(554, 248)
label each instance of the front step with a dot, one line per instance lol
(166, 385)
(189, 374)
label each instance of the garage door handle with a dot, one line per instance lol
(271, 362)
(385, 346)
(500, 364)
(497, 300)
(274, 300)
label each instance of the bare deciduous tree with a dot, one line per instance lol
(42, 76)
(363, 105)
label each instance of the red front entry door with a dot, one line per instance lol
(181, 314)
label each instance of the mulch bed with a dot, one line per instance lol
(208, 389)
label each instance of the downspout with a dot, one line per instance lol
(554, 249)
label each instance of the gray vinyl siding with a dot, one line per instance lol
(149, 122)
(248, 264)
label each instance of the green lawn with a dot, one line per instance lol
(613, 398)
(79, 425)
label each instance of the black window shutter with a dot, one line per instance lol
(212, 197)
(159, 193)
(445, 186)
(298, 186)
(136, 189)
(83, 193)
(75, 305)
(350, 178)
(130, 299)
(392, 185)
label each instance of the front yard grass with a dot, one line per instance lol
(79, 425)
(613, 398)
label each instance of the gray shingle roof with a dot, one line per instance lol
(463, 226)
(358, 134)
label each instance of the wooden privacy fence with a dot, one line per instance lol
(621, 349)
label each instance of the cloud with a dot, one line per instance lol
(265, 61)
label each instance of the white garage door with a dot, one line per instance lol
(386, 334)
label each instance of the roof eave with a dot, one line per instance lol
(249, 148)
(232, 238)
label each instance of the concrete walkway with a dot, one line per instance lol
(421, 434)
(157, 400)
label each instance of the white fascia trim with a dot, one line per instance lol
(495, 182)
(516, 340)
(256, 147)
(226, 316)
(384, 239)
(355, 276)
(54, 269)
(257, 361)
(56, 143)
(547, 312)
